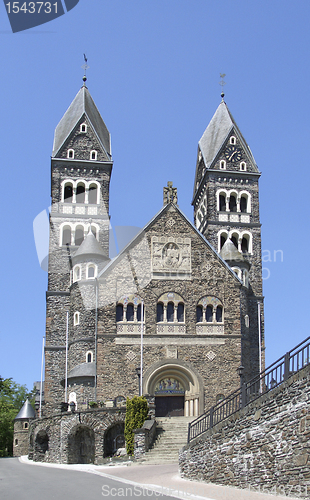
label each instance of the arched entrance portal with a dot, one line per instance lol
(169, 397)
(81, 445)
(177, 387)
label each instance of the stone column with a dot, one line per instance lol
(196, 407)
(191, 407)
(186, 408)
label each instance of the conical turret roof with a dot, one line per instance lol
(82, 104)
(90, 246)
(230, 253)
(26, 411)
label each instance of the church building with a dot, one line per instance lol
(183, 300)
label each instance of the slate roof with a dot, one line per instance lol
(83, 370)
(90, 246)
(26, 411)
(230, 252)
(217, 132)
(82, 103)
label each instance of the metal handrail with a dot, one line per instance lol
(278, 372)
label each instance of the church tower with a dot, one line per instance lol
(81, 168)
(226, 212)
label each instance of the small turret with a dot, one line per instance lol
(236, 261)
(21, 429)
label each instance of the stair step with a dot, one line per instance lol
(171, 436)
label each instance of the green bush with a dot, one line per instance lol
(136, 413)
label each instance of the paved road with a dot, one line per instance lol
(19, 481)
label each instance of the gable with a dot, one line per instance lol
(169, 249)
(83, 142)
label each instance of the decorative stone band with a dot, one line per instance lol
(210, 329)
(234, 218)
(129, 327)
(79, 210)
(170, 328)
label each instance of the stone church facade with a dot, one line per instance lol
(194, 289)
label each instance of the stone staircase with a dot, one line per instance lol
(171, 435)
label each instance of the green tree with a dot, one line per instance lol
(136, 413)
(12, 398)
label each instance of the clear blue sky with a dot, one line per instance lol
(154, 75)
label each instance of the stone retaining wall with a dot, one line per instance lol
(263, 447)
(144, 438)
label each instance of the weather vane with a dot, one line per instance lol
(85, 67)
(222, 83)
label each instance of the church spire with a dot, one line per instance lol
(82, 106)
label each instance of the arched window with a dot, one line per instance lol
(94, 231)
(232, 203)
(93, 155)
(219, 314)
(92, 194)
(199, 314)
(83, 127)
(139, 313)
(180, 312)
(223, 239)
(76, 318)
(235, 241)
(209, 314)
(79, 235)
(91, 271)
(243, 166)
(68, 193)
(219, 398)
(232, 140)
(222, 164)
(243, 204)
(222, 204)
(70, 153)
(130, 312)
(89, 357)
(244, 245)
(160, 312)
(170, 312)
(80, 193)
(66, 235)
(76, 273)
(119, 312)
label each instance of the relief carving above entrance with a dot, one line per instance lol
(171, 256)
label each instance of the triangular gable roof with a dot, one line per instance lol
(132, 243)
(82, 103)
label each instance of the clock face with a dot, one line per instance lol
(232, 153)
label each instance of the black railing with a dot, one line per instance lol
(271, 377)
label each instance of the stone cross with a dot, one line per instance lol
(170, 194)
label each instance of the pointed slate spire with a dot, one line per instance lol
(26, 411)
(216, 134)
(82, 104)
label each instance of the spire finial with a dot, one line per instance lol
(85, 67)
(222, 83)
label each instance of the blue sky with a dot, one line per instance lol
(154, 71)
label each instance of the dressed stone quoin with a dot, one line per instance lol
(194, 288)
